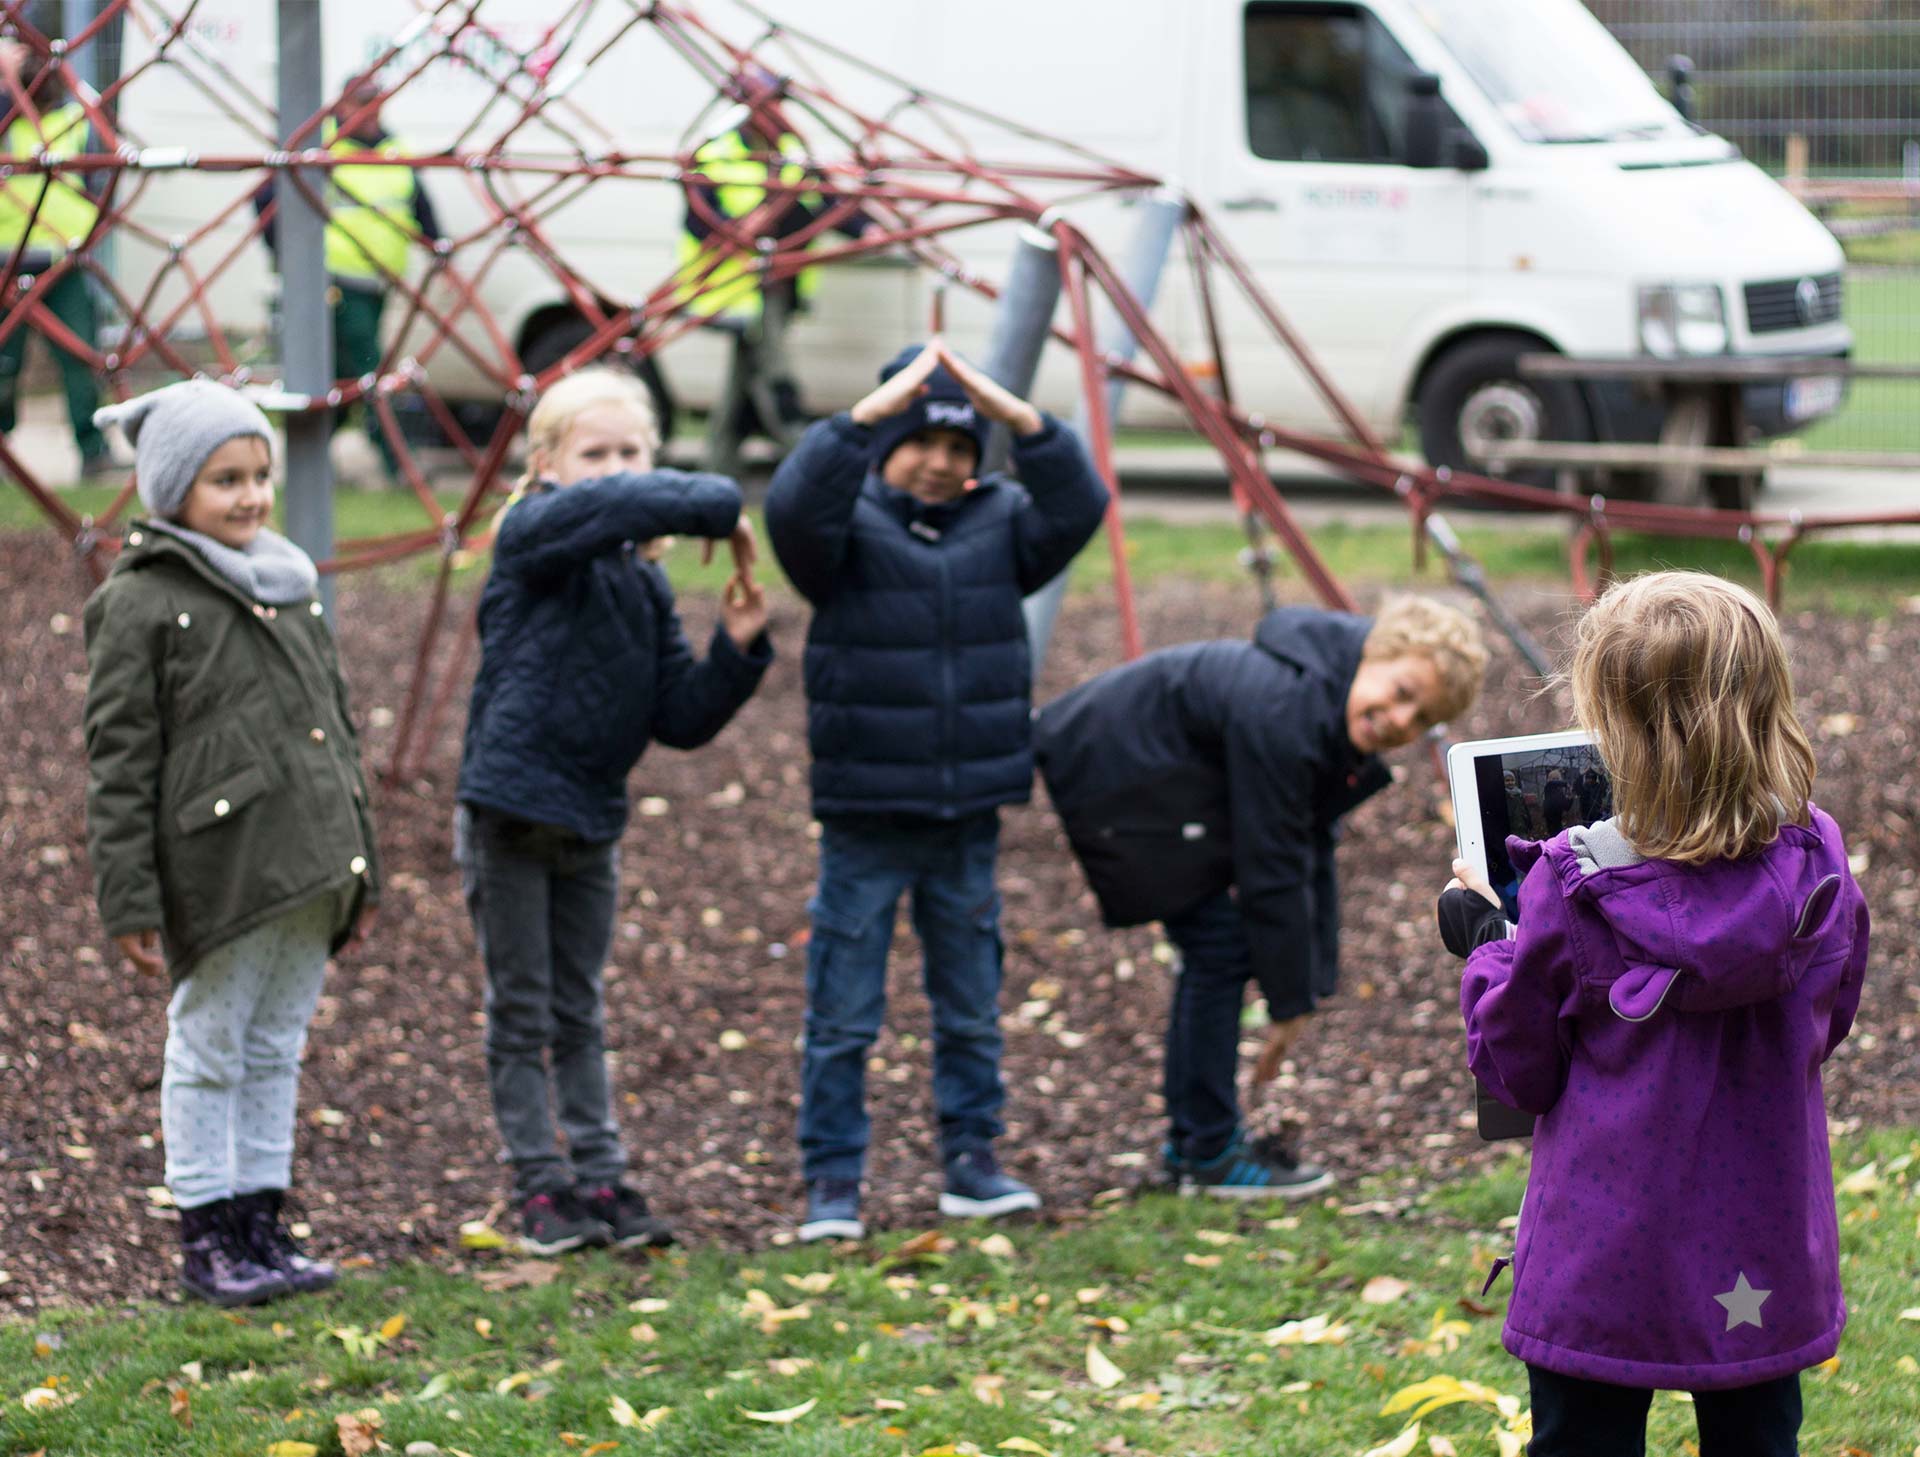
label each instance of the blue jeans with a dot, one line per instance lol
(1203, 1038)
(864, 868)
(1576, 1418)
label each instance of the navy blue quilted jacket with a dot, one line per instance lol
(583, 662)
(918, 676)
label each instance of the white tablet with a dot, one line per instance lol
(1533, 786)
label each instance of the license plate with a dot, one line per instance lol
(1807, 399)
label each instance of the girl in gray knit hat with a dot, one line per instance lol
(227, 817)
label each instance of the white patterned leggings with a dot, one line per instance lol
(235, 1030)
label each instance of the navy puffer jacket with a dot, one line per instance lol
(1221, 764)
(583, 661)
(918, 676)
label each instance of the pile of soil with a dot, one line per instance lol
(396, 1144)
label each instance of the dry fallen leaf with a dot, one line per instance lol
(477, 1234)
(1024, 1444)
(1101, 1371)
(1383, 1290)
(359, 1432)
(392, 1326)
(180, 1406)
(520, 1275)
(781, 1418)
(622, 1412)
(1400, 1446)
(293, 1449)
(1315, 1330)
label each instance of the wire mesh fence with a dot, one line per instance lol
(1825, 95)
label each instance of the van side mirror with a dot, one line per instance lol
(1426, 120)
(1433, 138)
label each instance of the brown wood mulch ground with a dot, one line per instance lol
(396, 1146)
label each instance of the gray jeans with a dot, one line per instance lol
(542, 901)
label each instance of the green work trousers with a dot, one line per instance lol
(69, 302)
(356, 352)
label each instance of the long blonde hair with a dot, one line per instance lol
(1682, 679)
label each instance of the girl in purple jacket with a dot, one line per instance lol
(1678, 975)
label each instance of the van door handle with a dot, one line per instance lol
(1252, 202)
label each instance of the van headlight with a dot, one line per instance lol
(1682, 318)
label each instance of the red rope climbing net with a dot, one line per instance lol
(920, 166)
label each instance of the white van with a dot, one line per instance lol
(1561, 203)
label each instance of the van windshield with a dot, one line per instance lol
(1553, 70)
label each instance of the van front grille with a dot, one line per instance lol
(1793, 303)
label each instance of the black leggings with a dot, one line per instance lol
(1575, 1418)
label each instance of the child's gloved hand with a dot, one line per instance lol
(142, 950)
(1470, 913)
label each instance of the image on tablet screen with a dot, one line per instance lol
(1535, 794)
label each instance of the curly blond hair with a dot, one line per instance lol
(1682, 680)
(1445, 636)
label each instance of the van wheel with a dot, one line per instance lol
(564, 333)
(1472, 397)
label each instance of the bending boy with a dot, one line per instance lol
(1202, 787)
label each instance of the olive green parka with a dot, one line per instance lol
(224, 785)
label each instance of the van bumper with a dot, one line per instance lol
(1633, 414)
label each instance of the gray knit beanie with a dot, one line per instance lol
(175, 429)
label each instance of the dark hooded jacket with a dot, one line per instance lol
(918, 676)
(1220, 764)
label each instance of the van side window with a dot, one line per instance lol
(1325, 83)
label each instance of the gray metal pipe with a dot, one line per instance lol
(1021, 327)
(1160, 214)
(306, 321)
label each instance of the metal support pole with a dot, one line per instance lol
(306, 324)
(1021, 328)
(1161, 214)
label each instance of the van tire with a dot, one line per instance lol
(553, 340)
(1475, 383)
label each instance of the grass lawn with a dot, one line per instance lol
(1852, 577)
(1151, 1325)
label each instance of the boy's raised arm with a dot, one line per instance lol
(548, 535)
(810, 503)
(1067, 501)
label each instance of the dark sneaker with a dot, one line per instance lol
(257, 1217)
(1257, 1170)
(976, 1189)
(833, 1211)
(625, 1212)
(552, 1224)
(215, 1264)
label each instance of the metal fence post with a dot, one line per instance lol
(306, 324)
(1161, 213)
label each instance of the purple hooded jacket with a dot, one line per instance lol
(1668, 1022)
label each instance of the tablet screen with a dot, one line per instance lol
(1535, 794)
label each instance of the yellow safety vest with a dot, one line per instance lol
(739, 181)
(65, 215)
(370, 222)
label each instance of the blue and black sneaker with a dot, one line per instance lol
(1257, 1169)
(976, 1189)
(833, 1211)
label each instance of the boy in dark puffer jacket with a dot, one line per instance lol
(918, 681)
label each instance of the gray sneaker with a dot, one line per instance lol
(833, 1211)
(976, 1189)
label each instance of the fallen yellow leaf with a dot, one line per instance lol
(781, 1418)
(1438, 1391)
(1315, 1330)
(644, 1334)
(989, 1390)
(1400, 1446)
(1100, 1370)
(477, 1234)
(1202, 1262)
(392, 1326)
(622, 1412)
(293, 1449)
(1024, 1444)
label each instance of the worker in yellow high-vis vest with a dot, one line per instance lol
(53, 216)
(736, 167)
(376, 213)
